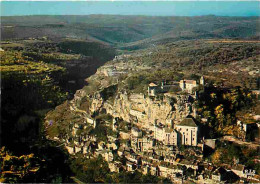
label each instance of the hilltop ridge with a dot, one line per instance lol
(124, 31)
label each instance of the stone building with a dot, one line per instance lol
(152, 89)
(141, 143)
(159, 131)
(188, 85)
(138, 113)
(202, 81)
(171, 137)
(91, 121)
(189, 132)
(219, 174)
(136, 132)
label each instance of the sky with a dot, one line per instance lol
(126, 7)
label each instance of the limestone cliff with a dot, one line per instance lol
(139, 108)
(107, 93)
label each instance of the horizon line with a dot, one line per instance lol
(206, 15)
(129, 1)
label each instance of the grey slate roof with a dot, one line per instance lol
(188, 122)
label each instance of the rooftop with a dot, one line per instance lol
(136, 129)
(188, 122)
(188, 81)
(152, 84)
(238, 167)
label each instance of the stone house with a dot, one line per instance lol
(115, 166)
(120, 151)
(173, 169)
(77, 149)
(107, 155)
(141, 144)
(146, 161)
(189, 164)
(246, 128)
(134, 143)
(111, 146)
(156, 158)
(170, 158)
(101, 145)
(111, 138)
(219, 174)
(150, 155)
(124, 135)
(208, 169)
(138, 113)
(91, 121)
(132, 158)
(146, 169)
(163, 170)
(70, 149)
(155, 170)
(159, 132)
(136, 132)
(145, 144)
(130, 166)
(169, 170)
(239, 170)
(171, 137)
(87, 147)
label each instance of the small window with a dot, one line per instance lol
(186, 129)
(193, 139)
(186, 139)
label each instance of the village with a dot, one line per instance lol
(170, 146)
(130, 92)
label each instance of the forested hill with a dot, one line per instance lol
(117, 29)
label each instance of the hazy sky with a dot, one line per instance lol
(162, 8)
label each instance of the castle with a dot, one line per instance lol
(185, 85)
(188, 85)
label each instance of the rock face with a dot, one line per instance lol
(140, 109)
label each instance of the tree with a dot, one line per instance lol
(18, 169)
(219, 112)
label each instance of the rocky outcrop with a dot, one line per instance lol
(141, 109)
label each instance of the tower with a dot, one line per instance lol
(162, 85)
(94, 123)
(202, 81)
(114, 124)
(183, 84)
(194, 111)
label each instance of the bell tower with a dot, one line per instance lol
(202, 81)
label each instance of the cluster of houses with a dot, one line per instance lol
(156, 149)
(147, 155)
(185, 133)
(157, 152)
